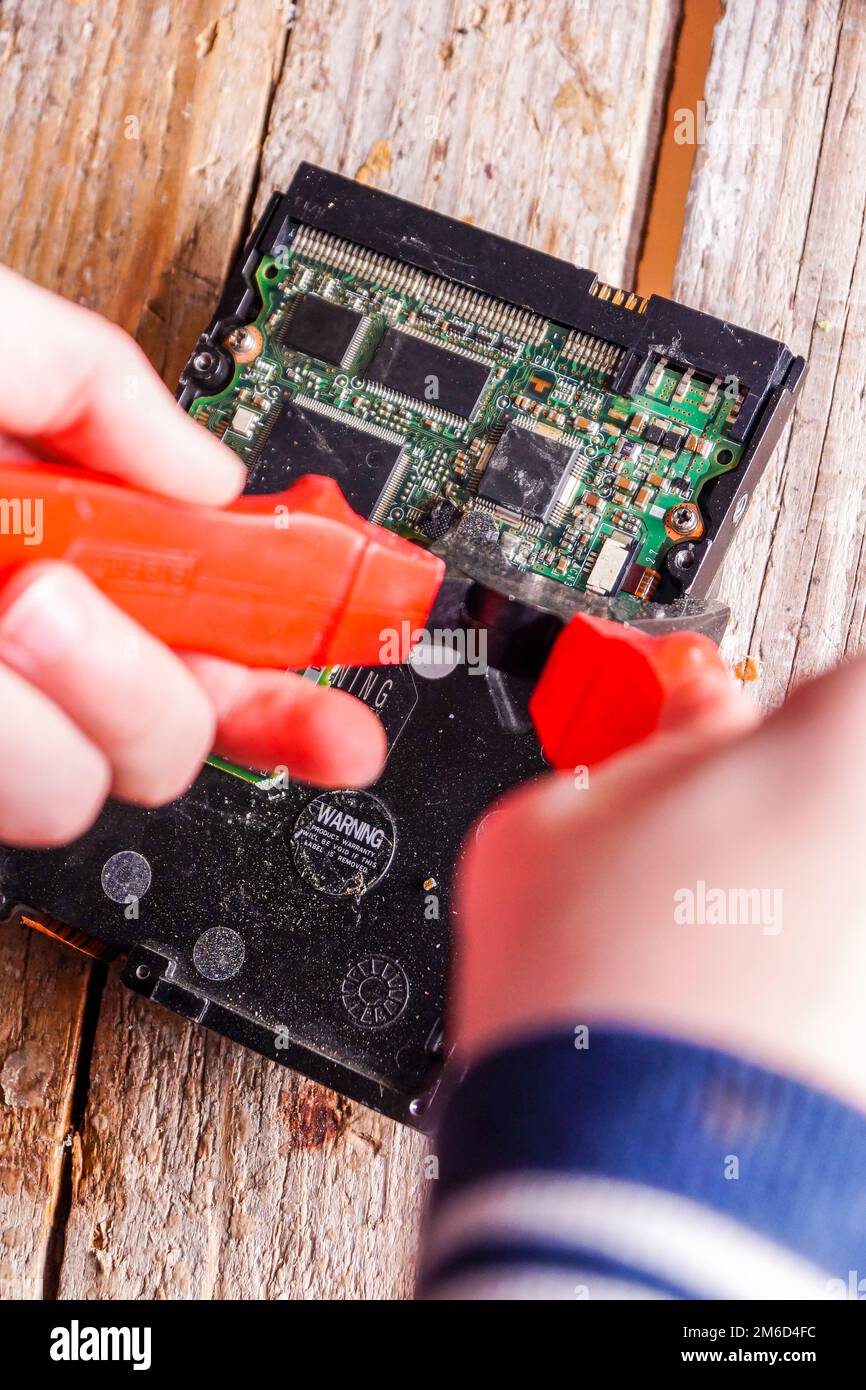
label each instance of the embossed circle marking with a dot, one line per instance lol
(375, 991)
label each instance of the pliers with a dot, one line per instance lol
(297, 579)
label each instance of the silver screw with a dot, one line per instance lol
(685, 519)
(240, 339)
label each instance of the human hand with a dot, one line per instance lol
(573, 904)
(90, 703)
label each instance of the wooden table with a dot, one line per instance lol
(139, 1156)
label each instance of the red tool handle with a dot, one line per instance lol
(287, 580)
(604, 687)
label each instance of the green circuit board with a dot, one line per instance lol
(467, 404)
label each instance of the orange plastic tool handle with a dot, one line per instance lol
(604, 687)
(286, 580)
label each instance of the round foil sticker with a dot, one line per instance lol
(343, 843)
(219, 953)
(125, 875)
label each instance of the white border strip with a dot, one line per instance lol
(667, 1237)
(521, 1283)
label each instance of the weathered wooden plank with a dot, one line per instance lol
(207, 1172)
(210, 1173)
(538, 121)
(42, 991)
(773, 238)
(128, 141)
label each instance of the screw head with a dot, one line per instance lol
(682, 559)
(240, 339)
(684, 519)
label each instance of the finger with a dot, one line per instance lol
(54, 779)
(14, 450)
(268, 719)
(828, 711)
(699, 716)
(106, 408)
(821, 722)
(710, 705)
(130, 695)
(816, 740)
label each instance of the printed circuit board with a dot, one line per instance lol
(427, 400)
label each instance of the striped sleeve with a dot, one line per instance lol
(642, 1167)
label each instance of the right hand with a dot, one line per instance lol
(566, 902)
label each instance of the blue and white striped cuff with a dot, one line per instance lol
(642, 1166)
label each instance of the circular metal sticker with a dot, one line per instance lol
(125, 875)
(343, 843)
(219, 953)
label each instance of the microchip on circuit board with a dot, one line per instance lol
(424, 371)
(303, 440)
(526, 470)
(320, 328)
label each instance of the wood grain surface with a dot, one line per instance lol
(142, 1157)
(774, 239)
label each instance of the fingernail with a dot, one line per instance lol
(42, 623)
(233, 476)
(220, 476)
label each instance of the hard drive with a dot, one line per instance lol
(564, 444)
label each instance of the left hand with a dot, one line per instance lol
(90, 703)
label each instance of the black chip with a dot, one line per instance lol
(303, 441)
(653, 434)
(320, 329)
(525, 471)
(427, 372)
(672, 440)
(437, 522)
